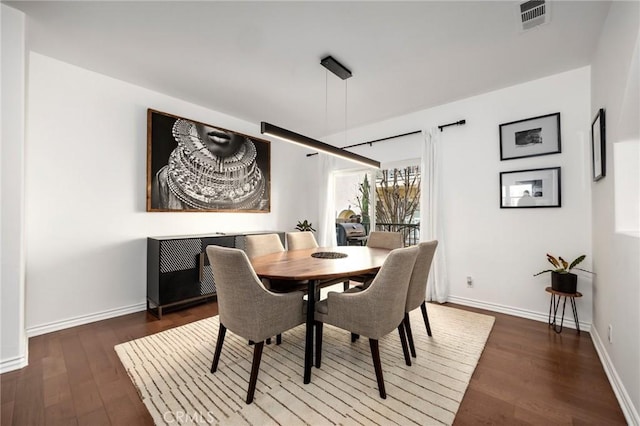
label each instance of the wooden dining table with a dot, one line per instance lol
(301, 265)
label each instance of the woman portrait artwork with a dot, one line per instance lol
(194, 166)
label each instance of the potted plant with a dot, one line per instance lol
(561, 277)
(305, 226)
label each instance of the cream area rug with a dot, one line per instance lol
(171, 372)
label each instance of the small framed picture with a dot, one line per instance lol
(598, 147)
(530, 137)
(530, 188)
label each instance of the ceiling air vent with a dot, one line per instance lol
(533, 13)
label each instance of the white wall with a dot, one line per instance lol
(615, 76)
(13, 352)
(85, 193)
(500, 248)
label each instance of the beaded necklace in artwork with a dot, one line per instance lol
(202, 180)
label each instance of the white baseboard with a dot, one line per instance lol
(84, 319)
(18, 362)
(626, 404)
(14, 363)
(523, 313)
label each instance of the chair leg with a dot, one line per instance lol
(268, 340)
(407, 328)
(279, 339)
(346, 285)
(318, 326)
(354, 337)
(375, 354)
(255, 367)
(222, 330)
(403, 341)
(426, 318)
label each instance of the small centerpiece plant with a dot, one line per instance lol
(305, 226)
(561, 277)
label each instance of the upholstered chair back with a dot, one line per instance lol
(418, 283)
(301, 240)
(387, 240)
(262, 244)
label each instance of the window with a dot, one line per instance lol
(397, 200)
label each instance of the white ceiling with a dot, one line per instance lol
(259, 61)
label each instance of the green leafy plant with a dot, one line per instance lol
(562, 266)
(305, 226)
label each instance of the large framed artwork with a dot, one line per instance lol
(598, 143)
(530, 137)
(199, 167)
(530, 188)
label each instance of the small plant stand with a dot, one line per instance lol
(554, 304)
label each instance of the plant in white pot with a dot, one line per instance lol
(561, 277)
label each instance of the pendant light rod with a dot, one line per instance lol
(370, 143)
(307, 142)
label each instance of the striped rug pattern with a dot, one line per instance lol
(171, 372)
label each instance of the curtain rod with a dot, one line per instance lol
(380, 140)
(457, 123)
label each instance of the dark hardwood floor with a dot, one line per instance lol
(527, 375)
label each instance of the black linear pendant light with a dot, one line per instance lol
(272, 130)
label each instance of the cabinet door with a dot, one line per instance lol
(205, 274)
(179, 270)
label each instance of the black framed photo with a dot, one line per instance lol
(198, 167)
(530, 137)
(530, 188)
(598, 146)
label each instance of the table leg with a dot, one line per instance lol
(308, 346)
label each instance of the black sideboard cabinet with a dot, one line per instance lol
(178, 270)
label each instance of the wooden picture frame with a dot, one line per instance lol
(534, 188)
(598, 146)
(198, 167)
(530, 137)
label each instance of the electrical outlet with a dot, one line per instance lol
(610, 334)
(469, 281)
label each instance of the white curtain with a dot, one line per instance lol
(431, 217)
(327, 203)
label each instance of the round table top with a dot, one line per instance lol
(300, 265)
(560, 293)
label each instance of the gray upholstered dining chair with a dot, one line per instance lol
(378, 239)
(262, 245)
(247, 308)
(373, 312)
(418, 288)
(301, 240)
